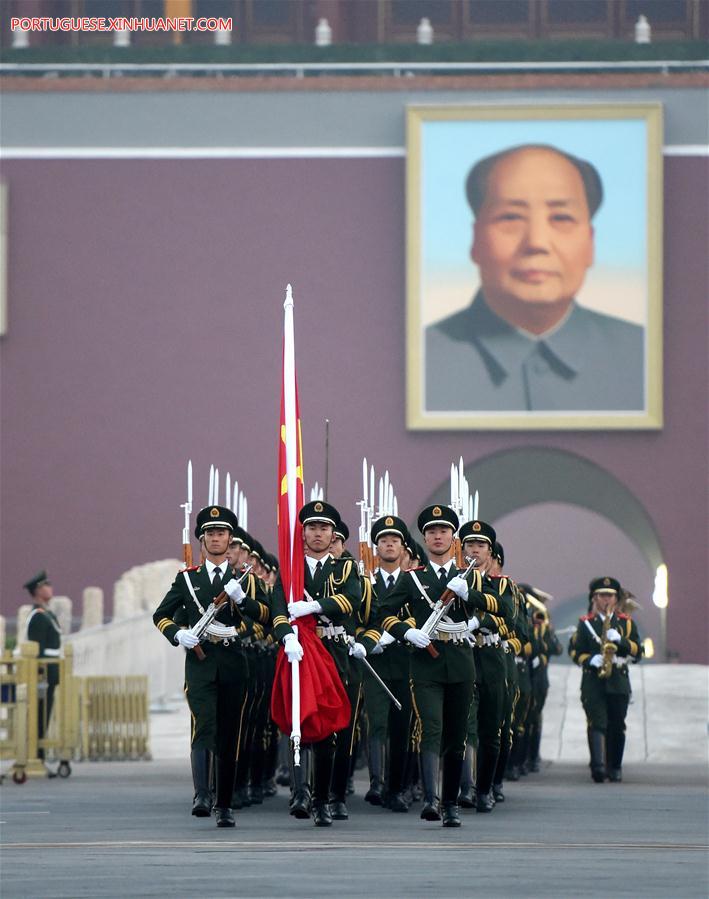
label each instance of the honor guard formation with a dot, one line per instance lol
(426, 658)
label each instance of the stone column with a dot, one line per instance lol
(22, 614)
(61, 606)
(92, 608)
(125, 603)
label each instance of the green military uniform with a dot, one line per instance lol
(605, 699)
(215, 686)
(549, 645)
(334, 585)
(389, 725)
(513, 646)
(42, 627)
(443, 686)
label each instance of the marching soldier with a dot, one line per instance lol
(603, 645)
(491, 627)
(390, 659)
(545, 637)
(442, 685)
(43, 628)
(360, 639)
(216, 685)
(513, 646)
(333, 596)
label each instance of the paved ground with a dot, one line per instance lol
(123, 829)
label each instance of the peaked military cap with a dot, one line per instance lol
(390, 524)
(342, 531)
(214, 517)
(433, 515)
(498, 552)
(257, 550)
(604, 585)
(478, 530)
(318, 510)
(33, 584)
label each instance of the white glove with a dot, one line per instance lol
(473, 624)
(358, 651)
(377, 650)
(304, 607)
(613, 635)
(459, 586)
(186, 639)
(417, 638)
(386, 639)
(536, 662)
(292, 648)
(596, 661)
(234, 591)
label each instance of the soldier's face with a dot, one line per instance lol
(390, 547)
(438, 539)
(43, 593)
(338, 547)
(480, 550)
(216, 541)
(317, 536)
(605, 602)
(533, 238)
(234, 554)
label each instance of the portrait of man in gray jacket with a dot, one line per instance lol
(525, 343)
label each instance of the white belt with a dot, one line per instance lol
(488, 639)
(330, 631)
(451, 637)
(52, 653)
(620, 663)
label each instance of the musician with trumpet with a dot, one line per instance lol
(442, 602)
(604, 643)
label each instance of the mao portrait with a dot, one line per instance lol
(548, 315)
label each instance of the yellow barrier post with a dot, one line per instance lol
(28, 671)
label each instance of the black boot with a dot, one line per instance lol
(597, 745)
(615, 747)
(301, 778)
(535, 739)
(487, 764)
(451, 816)
(429, 775)
(202, 804)
(376, 781)
(323, 761)
(502, 760)
(466, 798)
(452, 770)
(226, 771)
(225, 817)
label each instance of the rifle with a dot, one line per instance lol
(440, 609)
(187, 506)
(216, 605)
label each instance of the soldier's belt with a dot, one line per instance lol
(227, 641)
(52, 653)
(620, 663)
(444, 637)
(487, 639)
(521, 661)
(330, 631)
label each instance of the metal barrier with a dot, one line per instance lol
(47, 712)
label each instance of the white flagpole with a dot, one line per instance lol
(291, 481)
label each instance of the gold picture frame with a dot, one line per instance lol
(623, 142)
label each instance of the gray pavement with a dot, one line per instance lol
(124, 829)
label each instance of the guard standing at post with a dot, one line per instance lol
(216, 684)
(43, 628)
(603, 645)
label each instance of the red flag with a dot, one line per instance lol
(324, 705)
